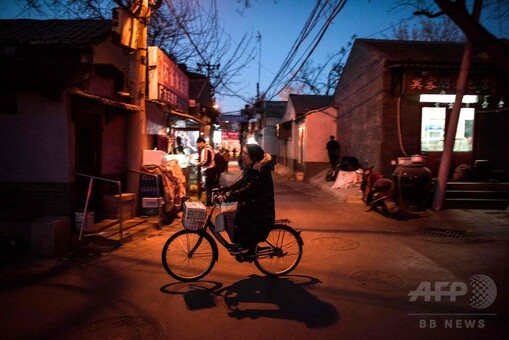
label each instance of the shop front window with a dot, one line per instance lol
(433, 127)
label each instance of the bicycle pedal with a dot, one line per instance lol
(245, 258)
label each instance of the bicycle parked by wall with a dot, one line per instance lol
(189, 255)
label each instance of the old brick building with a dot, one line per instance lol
(385, 111)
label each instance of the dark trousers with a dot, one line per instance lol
(211, 182)
(333, 159)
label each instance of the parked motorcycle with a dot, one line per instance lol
(332, 173)
(377, 193)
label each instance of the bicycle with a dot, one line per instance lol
(189, 255)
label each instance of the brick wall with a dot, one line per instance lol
(360, 106)
(370, 110)
(372, 104)
(29, 201)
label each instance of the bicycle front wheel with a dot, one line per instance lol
(280, 253)
(189, 255)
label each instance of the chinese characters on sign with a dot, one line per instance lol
(433, 83)
(166, 81)
(424, 83)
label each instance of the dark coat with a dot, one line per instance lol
(254, 192)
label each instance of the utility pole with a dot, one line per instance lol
(450, 136)
(137, 139)
(259, 36)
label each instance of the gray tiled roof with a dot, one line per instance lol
(53, 32)
(402, 51)
(304, 103)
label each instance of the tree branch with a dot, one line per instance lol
(428, 14)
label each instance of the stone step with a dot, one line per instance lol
(469, 203)
(478, 186)
(480, 194)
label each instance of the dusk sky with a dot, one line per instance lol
(280, 22)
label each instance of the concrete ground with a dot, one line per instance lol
(356, 279)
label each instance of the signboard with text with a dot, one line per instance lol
(230, 135)
(166, 82)
(431, 82)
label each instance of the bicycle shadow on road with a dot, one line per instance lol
(197, 295)
(289, 294)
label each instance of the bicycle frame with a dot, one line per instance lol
(277, 255)
(209, 225)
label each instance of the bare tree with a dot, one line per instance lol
(188, 33)
(322, 79)
(442, 29)
(474, 30)
(165, 32)
(292, 88)
(208, 48)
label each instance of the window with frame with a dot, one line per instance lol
(433, 127)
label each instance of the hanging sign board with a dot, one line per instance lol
(166, 82)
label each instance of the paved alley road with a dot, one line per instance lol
(353, 282)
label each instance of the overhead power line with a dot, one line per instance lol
(291, 70)
(287, 73)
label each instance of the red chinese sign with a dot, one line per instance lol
(166, 81)
(427, 82)
(227, 135)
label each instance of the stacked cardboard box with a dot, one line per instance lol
(126, 206)
(50, 236)
(151, 202)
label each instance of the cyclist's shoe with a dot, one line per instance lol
(238, 249)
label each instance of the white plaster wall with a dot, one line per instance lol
(318, 128)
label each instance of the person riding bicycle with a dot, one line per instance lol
(254, 192)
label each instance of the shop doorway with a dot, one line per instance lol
(88, 142)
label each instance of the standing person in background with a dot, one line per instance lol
(178, 146)
(333, 149)
(226, 156)
(208, 166)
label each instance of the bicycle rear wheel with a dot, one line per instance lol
(280, 253)
(186, 257)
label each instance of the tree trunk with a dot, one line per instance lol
(450, 136)
(475, 32)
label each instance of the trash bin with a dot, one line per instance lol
(299, 176)
(412, 183)
(85, 220)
